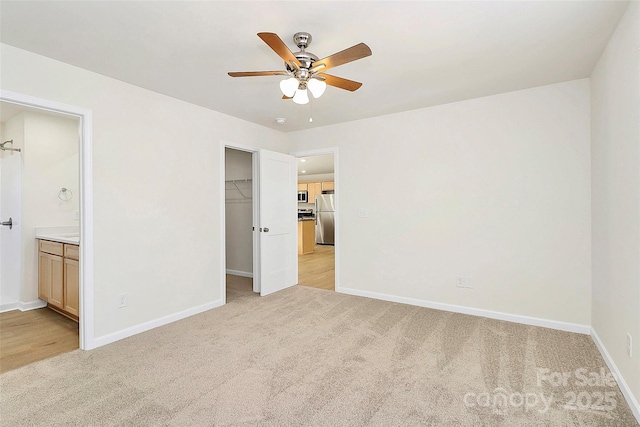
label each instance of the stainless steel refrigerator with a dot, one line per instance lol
(325, 219)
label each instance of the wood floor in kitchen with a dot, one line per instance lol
(317, 269)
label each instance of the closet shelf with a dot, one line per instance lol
(238, 189)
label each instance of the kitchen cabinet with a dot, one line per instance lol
(306, 236)
(313, 189)
(327, 185)
(59, 277)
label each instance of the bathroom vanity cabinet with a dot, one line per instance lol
(59, 277)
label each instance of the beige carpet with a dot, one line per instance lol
(306, 356)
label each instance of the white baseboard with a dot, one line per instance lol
(240, 273)
(533, 321)
(9, 306)
(22, 306)
(526, 320)
(624, 387)
(32, 305)
(143, 327)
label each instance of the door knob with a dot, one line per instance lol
(9, 223)
(266, 229)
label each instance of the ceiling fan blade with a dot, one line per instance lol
(345, 84)
(279, 47)
(353, 53)
(257, 73)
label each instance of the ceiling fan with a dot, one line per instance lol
(305, 70)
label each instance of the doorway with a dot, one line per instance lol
(39, 170)
(273, 226)
(239, 220)
(84, 196)
(317, 214)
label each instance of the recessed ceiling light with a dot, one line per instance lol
(303, 160)
(303, 171)
(280, 120)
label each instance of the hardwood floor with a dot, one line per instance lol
(317, 269)
(30, 336)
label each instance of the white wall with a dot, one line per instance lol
(239, 213)
(50, 162)
(496, 188)
(615, 114)
(157, 197)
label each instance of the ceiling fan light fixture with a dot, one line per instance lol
(301, 97)
(289, 86)
(317, 87)
(304, 71)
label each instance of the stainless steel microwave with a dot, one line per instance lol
(303, 197)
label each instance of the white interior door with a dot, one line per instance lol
(10, 239)
(278, 223)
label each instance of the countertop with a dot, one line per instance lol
(74, 239)
(63, 234)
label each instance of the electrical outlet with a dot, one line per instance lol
(464, 282)
(363, 213)
(629, 345)
(122, 300)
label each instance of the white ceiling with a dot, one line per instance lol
(314, 165)
(424, 53)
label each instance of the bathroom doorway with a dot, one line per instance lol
(40, 182)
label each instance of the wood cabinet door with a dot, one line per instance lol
(315, 188)
(302, 186)
(311, 193)
(71, 251)
(308, 236)
(56, 288)
(44, 276)
(327, 185)
(71, 286)
(318, 186)
(300, 250)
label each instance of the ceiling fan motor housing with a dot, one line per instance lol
(302, 40)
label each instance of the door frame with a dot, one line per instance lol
(85, 147)
(255, 195)
(336, 200)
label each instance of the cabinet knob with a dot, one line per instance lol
(266, 229)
